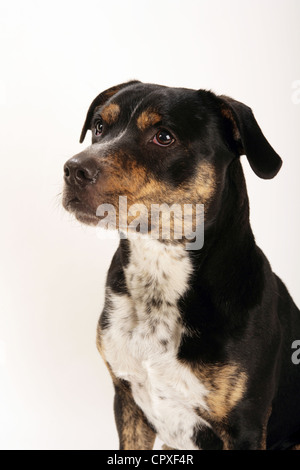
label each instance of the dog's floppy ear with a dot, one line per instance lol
(100, 100)
(249, 139)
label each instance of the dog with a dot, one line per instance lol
(197, 342)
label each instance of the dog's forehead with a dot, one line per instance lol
(147, 104)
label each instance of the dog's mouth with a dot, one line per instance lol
(72, 203)
(80, 209)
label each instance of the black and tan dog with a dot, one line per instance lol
(198, 342)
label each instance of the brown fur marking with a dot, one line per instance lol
(111, 113)
(122, 175)
(134, 431)
(165, 447)
(226, 385)
(200, 190)
(265, 428)
(295, 447)
(147, 119)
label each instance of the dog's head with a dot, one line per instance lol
(155, 144)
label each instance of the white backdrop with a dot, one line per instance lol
(55, 392)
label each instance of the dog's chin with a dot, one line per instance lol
(81, 211)
(87, 219)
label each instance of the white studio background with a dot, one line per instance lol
(55, 391)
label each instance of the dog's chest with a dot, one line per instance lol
(143, 337)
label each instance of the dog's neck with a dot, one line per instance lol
(157, 274)
(230, 263)
(231, 226)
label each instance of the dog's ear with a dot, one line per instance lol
(99, 101)
(249, 139)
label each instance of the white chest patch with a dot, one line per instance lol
(143, 337)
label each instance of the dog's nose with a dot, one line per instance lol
(80, 170)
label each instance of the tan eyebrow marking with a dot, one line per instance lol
(147, 118)
(111, 113)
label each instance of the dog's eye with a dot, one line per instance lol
(163, 138)
(98, 127)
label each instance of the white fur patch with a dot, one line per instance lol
(142, 341)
